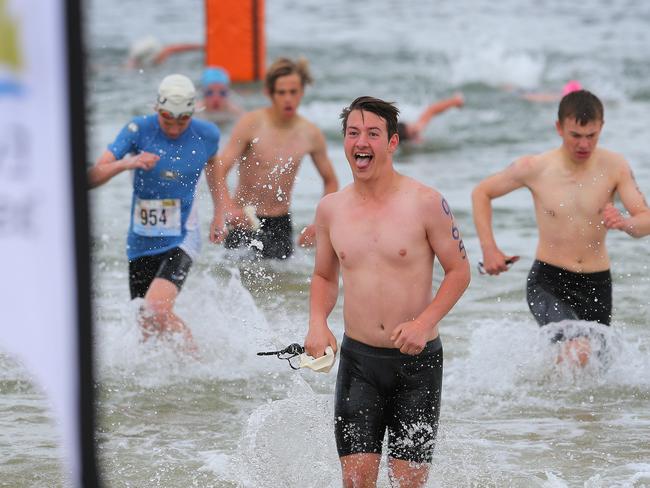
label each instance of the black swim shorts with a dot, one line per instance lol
(173, 265)
(555, 294)
(274, 238)
(380, 389)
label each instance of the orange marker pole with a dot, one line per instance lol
(235, 38)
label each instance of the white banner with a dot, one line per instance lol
(39, 289)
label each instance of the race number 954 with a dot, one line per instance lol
(153, 216)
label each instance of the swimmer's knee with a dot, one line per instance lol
(360, 470)
(408, 473)
(157, 310)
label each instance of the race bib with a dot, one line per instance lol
(157, 218)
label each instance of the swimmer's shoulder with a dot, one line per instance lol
(613, 164)
(532, 165)
(611, 157)
(327, 207)
(427, 198)
(250, 123)
(142, 122)
(206, 128)
(310, 129)
(336, 198)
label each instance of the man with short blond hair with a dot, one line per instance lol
(268, 145)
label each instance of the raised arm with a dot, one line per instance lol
(108, 166)
(638, 224)
(497, 185)
(167, 51)
(217, 174)
(437, 108)
(324, 285)
(330, 182)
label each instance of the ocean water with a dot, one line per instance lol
(511, 416)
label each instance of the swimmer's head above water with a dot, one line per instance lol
(176, 95)
(403, 132)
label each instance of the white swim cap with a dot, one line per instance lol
(176, 94)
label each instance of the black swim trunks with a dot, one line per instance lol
(274, 238)
(173, 265)
(555, 294)
(379, 389)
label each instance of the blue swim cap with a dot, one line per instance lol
(215, 75)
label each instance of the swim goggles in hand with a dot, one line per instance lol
(288, 353)
(481, 269)
(322, 364)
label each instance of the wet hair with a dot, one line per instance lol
(284, 67)
(386, 110)
(581, 105)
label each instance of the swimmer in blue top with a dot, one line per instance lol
(167, 152)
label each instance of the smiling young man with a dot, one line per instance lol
(390, 372)
(268, 145)
(167, 151)
(573, 187)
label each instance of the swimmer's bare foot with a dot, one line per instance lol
(171, 328)
(575, 351)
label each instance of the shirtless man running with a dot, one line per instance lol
(390, 372)
(573, 187)
(269, 144)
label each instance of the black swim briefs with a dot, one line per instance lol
(380, 389)
(274, 238)
(555, 294)
(173, 265)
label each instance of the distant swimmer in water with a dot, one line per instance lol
(268, 145)
(148, 51)
(412, 131)
(167, 152)
(572, 189)
(543, 97)
(390, 372)
(217, 103)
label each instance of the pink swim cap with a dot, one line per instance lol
(571, 86)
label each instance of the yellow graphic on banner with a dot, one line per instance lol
(9, 52)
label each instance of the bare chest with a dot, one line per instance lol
(382, 240)
(573, 199)
(276, 152)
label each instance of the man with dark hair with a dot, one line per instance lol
(390, 372)
(583, 107)
(573, 187)
(269, 144)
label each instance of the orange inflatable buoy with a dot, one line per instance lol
(235, 38)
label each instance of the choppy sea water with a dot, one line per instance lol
(510, 415)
